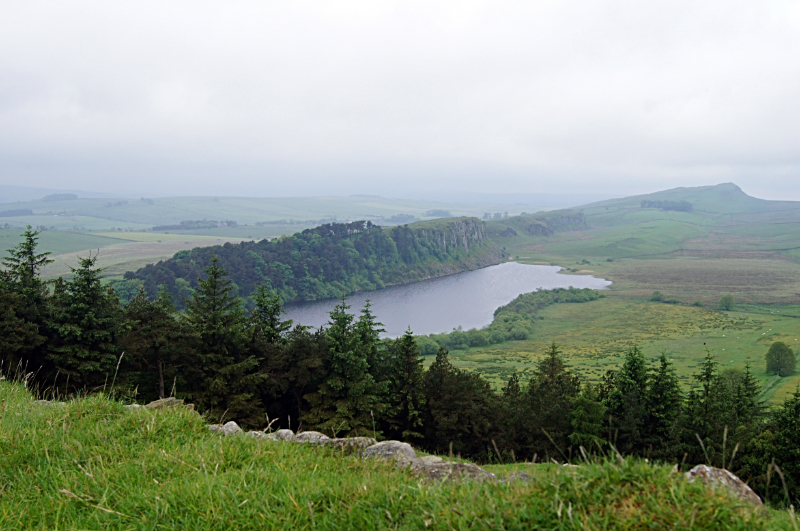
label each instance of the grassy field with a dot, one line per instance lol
(594, 337)
(91, 464)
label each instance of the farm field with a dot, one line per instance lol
(594, 337)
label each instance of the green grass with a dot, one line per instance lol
(58, 241)
(594, 337)
(93, 465)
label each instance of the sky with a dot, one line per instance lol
(400, 98)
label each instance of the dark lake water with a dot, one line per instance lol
(438, 305)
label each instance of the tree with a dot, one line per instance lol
(406, 389)
(159, 347)
(627, 402)
(346, 401)
(22, 280)
(663, 402)
(727, 303)
(267, 316)
(780, 359)
(461, 409)
(786, 425)
(87, 322)
(587, 418)
(230, 376)
(549, 401)
(18, 337)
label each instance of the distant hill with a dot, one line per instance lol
(704, 220)
(329, 260)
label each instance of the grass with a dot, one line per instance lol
(91, 464)
(594, 337)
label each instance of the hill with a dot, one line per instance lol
(329, 260)
(92, 464)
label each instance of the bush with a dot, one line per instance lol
(697, 303)
(657, 296)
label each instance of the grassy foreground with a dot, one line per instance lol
(91, 464)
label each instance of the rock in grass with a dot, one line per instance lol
(447, 471)
(229, 428)
(312, 437)
(170, 401)
(430, 459)
(132, 406)
(718, 478)
(350, 444)
(401, 452)
(281, 435)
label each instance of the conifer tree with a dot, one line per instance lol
(549, 401)
(461, 409)
(786, 425)
(369, 330)
(230, 372)
(22, 280)
(587, 418)
(663, 402)
(267, 317)
(406, 390)
(87, 323)
(159, 348)
(627, 402)
(346, 402)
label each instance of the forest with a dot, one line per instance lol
(324, 262)
(75, 337)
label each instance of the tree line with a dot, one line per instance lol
(255, 367)
(318, 263)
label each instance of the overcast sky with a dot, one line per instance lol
(304, 98)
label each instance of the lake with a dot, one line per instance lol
(438, 305)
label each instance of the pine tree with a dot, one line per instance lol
(588, 419)
(346, 401)
(267, 316)
(663, 402)
(369, 330)
(786, 425)
(406, 390)
(87, 322)
(231, 376)
(22, 279)
(159, 348)
(627, 402)
(461, 409)
(549, 401)
(748, 407)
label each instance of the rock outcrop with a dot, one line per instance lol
(721, 479)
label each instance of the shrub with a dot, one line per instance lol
(727, 302)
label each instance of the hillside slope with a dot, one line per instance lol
(718, 220)
(330, 260)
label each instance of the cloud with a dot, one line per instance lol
(502, 96)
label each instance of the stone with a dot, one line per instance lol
(256, 434)
(430, 459)
(170, 401)
(312, 437)
(447, 471)
(132, 406)
(281, 435)
(349, 445)
(400, 452)
(718, 478)
(229, 428)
